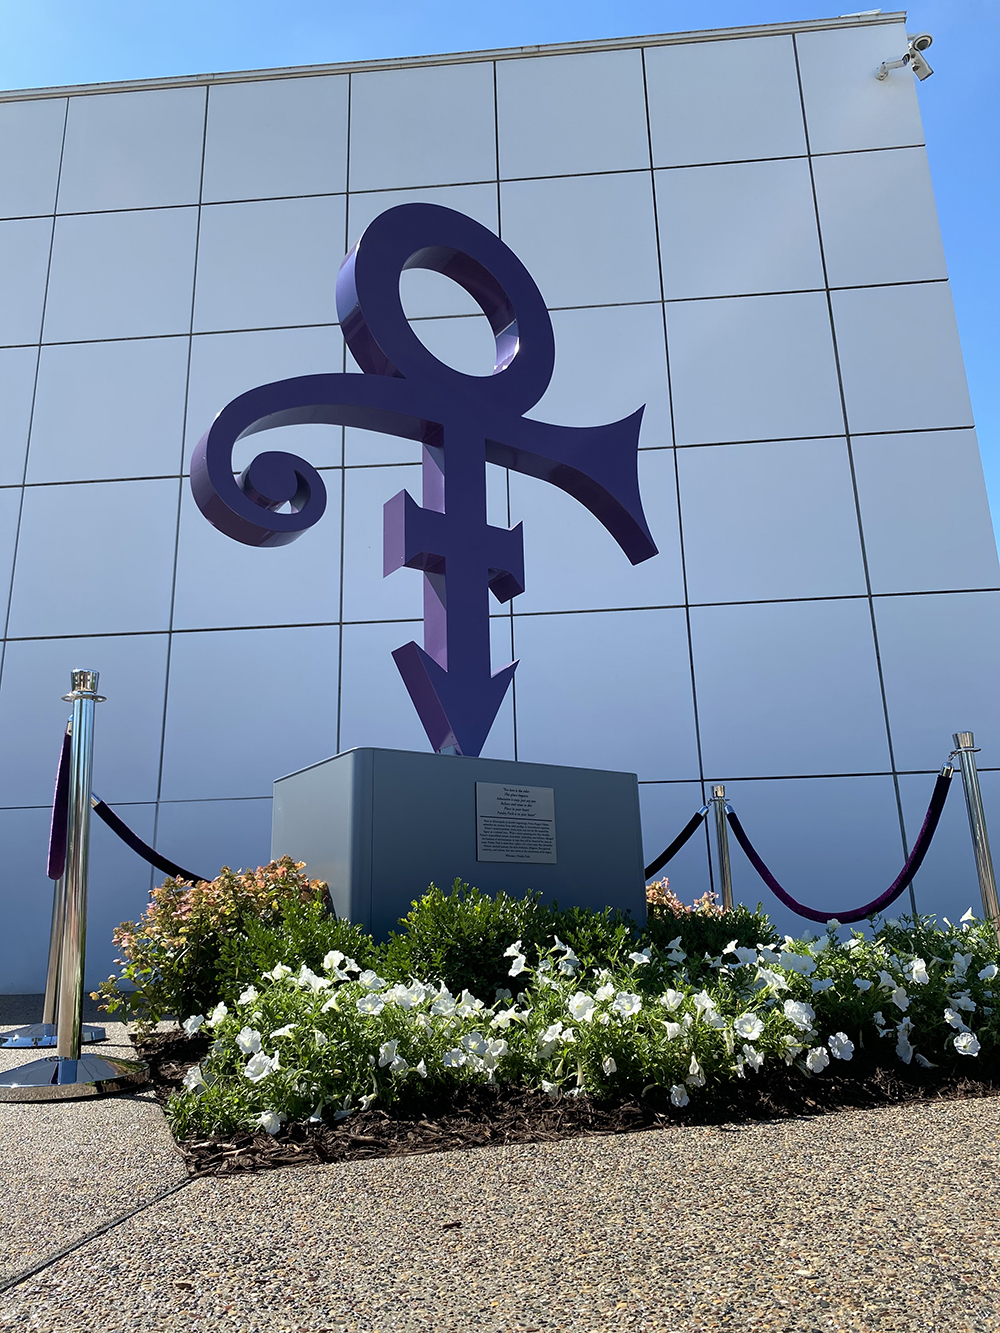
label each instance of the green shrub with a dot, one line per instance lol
(460, 936)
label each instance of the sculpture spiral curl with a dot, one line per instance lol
(245, 507)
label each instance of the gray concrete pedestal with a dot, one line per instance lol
(381, 825)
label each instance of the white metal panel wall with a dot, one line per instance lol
(739, 233)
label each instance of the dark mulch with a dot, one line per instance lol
(477, 1116)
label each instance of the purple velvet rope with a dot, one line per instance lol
(60, 814)
(143, 849)
(686, 832)
(901, 882)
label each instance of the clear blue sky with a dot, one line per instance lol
(47, 42)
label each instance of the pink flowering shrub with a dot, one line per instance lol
(705, 926)
(661, 899)
(196, 942)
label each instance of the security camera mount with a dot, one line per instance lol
(914, 57)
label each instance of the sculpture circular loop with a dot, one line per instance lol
(427, 236)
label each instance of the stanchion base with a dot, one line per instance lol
(57, 1078)
(44, 1034)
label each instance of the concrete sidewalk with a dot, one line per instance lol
(868, 1221)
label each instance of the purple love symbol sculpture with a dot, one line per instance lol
(463, 422)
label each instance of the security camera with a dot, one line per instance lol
(916, 45)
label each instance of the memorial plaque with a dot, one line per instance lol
(515, 823)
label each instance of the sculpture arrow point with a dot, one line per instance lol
(457, 712)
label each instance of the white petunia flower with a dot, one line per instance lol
(278, 972)
(309, 980)
(862, 983)
(248, 1040)
(320, 1038)
(387, 1052)
(823, 985)
(369, 1004)
(833, 924)
(671, 999)
(505, 1017)
(407, 997)
(964, 1001)
(568, 963)
(955, 1020)
(286, 1031)
(259, 1066)
(960, 963)
(900, 999)
(608, 1065)
(917, 971)
(797, 962)
(271, 1121)
(371, 980)
(626, 1004)
(646, 956)
(679, 1095)
(767, 955)
(604, 992)
(703, 1002)
(581, 1007)
(747, 957)
(696, 1076)
(454, 1058)
(444, 1003)
(752, 1057)
(194, 1080)
(922, 1060)
(792, 1049)
(551, 1088)
(467, 1004)
(966, 1044)
(841, 1047)
(474, 1042)
(817, 1059)
(217, 1015)
(673, 1030)
(518, 965)
(248, 996)
(748, 1026)
(799, 1013)
(773, 980)
(513, 951)
(988, 972)
(192, 1024)
(421, 1068)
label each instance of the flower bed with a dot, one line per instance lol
(632, 1026)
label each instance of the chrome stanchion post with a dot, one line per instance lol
(67, 1074)
(722, 846)
(69, 1014)
(965, 748)
(44, 1034)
